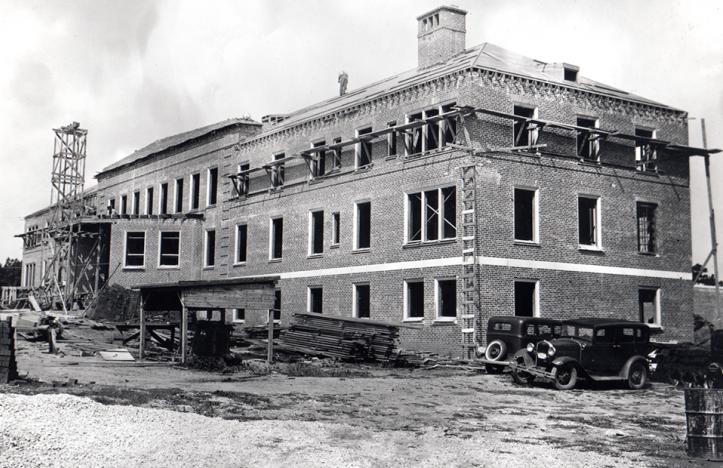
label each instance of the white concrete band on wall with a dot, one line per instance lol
(488, 261)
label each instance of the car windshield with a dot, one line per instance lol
(577, 332)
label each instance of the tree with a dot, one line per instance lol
(10, 272)
(704, 277)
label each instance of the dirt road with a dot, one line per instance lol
(394, 417)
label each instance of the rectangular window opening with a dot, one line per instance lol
(646, 154)
(392, 140)
(450, 125)
(523, 134)
(239, 315)
(414, 140)
(335, 228)
(210, 249)
(414, 303)
(149, 201)
(178, 194)
(316, 232)
(212, 186)
(315, 299)
(136, 202)
(336, 155)
(589, 221)
(364, 149)
(363, 225)
(170, 249)
(361, 301)
(195, 191)
(241, 181)
(525, 215)
(526, 298)
(649, 305)
(318, 164)
(431, 130)
(135, 249)
(241, 242)
(277, 238)
(124, 204)
(446, 299)
(277, 171)
(277, 306)
(163, 202)
(646, 228)
(588, 144)
(432, 215)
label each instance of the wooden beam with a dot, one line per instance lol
(270, 346)
(184, 329)
(142, 319)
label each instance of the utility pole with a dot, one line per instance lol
(711, 210)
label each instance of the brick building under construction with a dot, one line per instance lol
(479, 183)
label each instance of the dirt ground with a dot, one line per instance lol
(364, 416)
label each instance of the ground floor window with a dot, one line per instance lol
(446, 299)
(277, 306)
(209, 258)
(315, 299)
(649, 305)
(413, 299)
(526, 300)
(239, 315)
(361, 301)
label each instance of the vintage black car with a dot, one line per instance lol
(506, 335)
(592, 348)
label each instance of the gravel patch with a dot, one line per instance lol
(69, 431)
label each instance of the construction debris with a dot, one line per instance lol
(340, 337)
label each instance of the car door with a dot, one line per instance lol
(602, 354)
(624, 347)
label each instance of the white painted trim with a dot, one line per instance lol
(487, 261)
(160, 237)
(125, 250)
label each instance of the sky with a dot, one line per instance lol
(133, 71)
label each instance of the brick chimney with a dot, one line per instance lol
(441, 35)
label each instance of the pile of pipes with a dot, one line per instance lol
(341, 338)
(8, 365)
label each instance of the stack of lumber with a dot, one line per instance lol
(8, 365)
(340, 337)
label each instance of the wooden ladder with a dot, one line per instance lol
(470, 291)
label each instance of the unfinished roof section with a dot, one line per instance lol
(486, 57)
(175, 141)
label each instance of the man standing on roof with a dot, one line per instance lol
(343, 80)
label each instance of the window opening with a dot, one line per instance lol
(525, 215)
(525, 298)
(335, 228)
(588, 217)
(646, 227)
(210, 250)
(241, 241)
(415, 299)
(277, 171)
(195, 187)
(212, 191)
(364, 149)
(363, 225)
(163, 202)
(137, 202)
(645, 153)
(648, 303)
(446, 299)
(361, 301)
(392, 140)
(316, 232)
(135, 249)
(178, 205)
(277, 238)
(170, 248)
(588, 144)
(241, 181)
(315, 301)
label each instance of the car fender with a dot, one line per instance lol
(626, 368)
(557, 362)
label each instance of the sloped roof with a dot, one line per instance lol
(486, 56)
(175, 140)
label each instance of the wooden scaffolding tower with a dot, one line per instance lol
(59, 239)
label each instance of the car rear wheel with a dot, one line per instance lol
(637, 375)
(496, 351)
(566, 377)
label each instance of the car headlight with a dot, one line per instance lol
(551, 350)
(530, 347)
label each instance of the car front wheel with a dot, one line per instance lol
(566, 377)
(637, 376)
(521, 377)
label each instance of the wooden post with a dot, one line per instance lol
(270, 347)
(142, 322)
(184, 330)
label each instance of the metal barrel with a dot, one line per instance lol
(704, 419)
